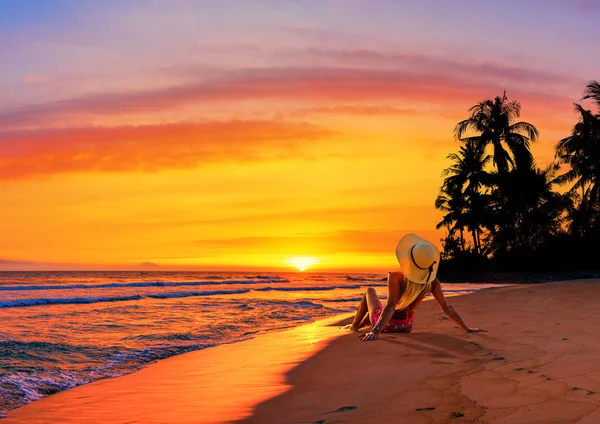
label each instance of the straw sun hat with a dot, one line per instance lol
(418, 258)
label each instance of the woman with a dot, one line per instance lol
(419, 261)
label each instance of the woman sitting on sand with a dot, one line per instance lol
(419, 261)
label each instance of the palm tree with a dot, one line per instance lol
(592, 91)
(463, 195)
(526, 212)
(581, 152)
(494, 123)
(451, 201)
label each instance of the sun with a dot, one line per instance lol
(302, 263)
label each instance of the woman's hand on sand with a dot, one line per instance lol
(476, 330)
(370, 336)
(349, 327)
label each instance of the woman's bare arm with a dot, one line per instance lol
(436, 291)
(393, 283)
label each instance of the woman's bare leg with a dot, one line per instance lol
(361, 313)
(368, 304)
(373, 302)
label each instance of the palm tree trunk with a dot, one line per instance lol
(462, 240)
(475, 241)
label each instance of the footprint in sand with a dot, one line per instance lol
(345, 408)
(576, 389)
(477, 345)
(340, 409)
(425, 409)
(457, 415)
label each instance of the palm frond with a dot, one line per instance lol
(524, 127)
(592, 91)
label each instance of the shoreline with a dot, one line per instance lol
(249, 382)
(322, 324)
(324, 329)
(19, 400)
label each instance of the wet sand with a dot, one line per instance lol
(538, 364)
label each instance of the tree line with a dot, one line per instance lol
(503, 212)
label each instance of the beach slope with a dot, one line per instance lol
(537, 364)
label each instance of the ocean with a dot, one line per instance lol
(59, 330)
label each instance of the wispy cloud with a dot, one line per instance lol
(354, 110)
(149, 147)
(35, 80)
(375, 212)
(442, 66)
(301, 84)
(27, 265)
(325, 243)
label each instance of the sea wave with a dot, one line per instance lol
(316, 288)
(300, 304)
(70, 300)
(174, 295)
(373, 278)
(262, 277)
(191, 294)
(19, 388)
(62, 301)
(168, 336)
(144, 284)
(350, 299)
(26, 385)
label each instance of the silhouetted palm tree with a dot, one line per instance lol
(526, 212)
(493, 121)
(463, 195)
(451, 201)
(592, 91)
(515, 217)
(581, 152)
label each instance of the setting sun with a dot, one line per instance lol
(302, 263)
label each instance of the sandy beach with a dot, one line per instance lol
(537, 364)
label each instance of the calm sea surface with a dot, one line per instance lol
(63, 329)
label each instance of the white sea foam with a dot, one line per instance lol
(59, 301)
(142, 284)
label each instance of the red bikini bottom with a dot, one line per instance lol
(395, 325)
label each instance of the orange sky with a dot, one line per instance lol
(343, 189)
(247, 153)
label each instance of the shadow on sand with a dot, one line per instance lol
(344, 360)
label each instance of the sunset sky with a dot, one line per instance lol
(251, 134)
